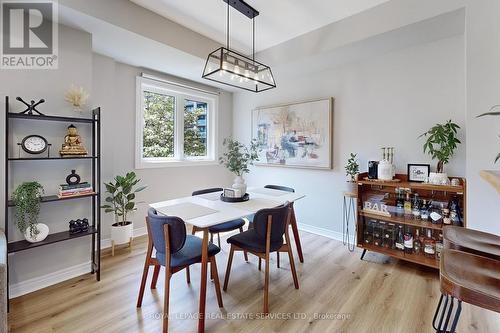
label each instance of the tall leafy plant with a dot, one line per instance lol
(121, 198)
(352, 167)
(441, 142)
(492, 113)
(238, 157)
(27, 198)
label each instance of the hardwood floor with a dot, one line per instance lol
(338, 293)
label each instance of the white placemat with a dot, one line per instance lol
(186, 211)
(214, 196)
(255, 204)
(270, 192)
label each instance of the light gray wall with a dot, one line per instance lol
(112, 86)
(388, 100)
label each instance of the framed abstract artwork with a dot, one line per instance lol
(295, 135)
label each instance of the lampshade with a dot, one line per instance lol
(234, 69)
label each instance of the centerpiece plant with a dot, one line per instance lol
(237, 158)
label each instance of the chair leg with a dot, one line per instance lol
(443, 312)
(228, 269)
(155, 276)
(211, 238)
(437, 311)
(292, 268)
(215, 276)
(145, 272)
(457, 316)
(218, 239)
(166, 300)
(244, 252)
(278, 259)
(188, 275)
(266, 286)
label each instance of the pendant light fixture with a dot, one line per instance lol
(232, 68)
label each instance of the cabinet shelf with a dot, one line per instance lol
(402, 220)
(12, 115)
(51, 158)
(416, 186)
(52, 198)
(415, 258)
(51, 239)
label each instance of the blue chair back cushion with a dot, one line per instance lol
(279, 218)
(207, 190)
(279, 187)
(177, 231)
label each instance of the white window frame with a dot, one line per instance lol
(181, 94)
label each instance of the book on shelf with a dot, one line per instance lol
(75, 194)
(73, 186)
(76, 189)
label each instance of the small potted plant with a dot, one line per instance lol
(441, 144)
(352, 171)
(27, 198)
(492, 113)
(237, 158)
(120, 202)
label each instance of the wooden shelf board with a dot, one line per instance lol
(51, 158)
(492, 177)
(419, 186)
(50, 118)
(402, 220)
(51, 198)
(415, 258)
(51, 239)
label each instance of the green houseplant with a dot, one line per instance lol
(27, 198)
(237, 158)
(352, 170)
(441, 144)
(121, 202)
(492, 113)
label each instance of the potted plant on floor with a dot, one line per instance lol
(237, 158)
(441, 144)
(121, 202)
(352, 171)
(27, 198)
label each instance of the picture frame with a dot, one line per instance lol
(297, 135)
(418, 173)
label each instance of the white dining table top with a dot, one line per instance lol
(208, 210)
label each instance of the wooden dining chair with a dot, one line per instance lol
(223, 227)
(265, 237)
(175, 251)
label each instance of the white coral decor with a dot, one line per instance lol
(77, 96)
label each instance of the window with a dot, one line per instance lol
(175, 125)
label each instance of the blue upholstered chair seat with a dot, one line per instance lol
(227, 226)
(250, 240)
(189, 254)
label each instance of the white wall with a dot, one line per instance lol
(112, 86)
(388, 100)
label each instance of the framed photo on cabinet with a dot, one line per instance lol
(418, 173)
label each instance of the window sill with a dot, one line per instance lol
(173, 164)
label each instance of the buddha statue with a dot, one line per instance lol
(72, 143)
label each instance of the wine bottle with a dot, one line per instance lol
(429, 245)
(400, 239)
(408, 240)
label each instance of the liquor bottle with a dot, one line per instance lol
(424, 211)
(400, 202)
(455, 212)
(446, 215)
(429, 245)
(408, 240)
(439, 246)
(416, 207)
(417, 245)
(400, 239)
(407, 206)
(436, 215)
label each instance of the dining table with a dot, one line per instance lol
(207, 210)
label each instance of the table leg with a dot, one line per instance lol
(203, 282)
(295, 231)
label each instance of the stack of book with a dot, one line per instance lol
(66, 190)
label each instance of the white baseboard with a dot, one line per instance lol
(40, 282)
(321, 231)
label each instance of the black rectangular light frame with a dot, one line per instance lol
(243, 8)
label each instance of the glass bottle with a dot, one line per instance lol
(400, 202)
(416, 207)
(424, 211)
(429, 245)
(446, 215)
(400, 239)
(407, 206)
(417, 246)
(436, 215)
(455, 212)
(408, 240)
(439, 246)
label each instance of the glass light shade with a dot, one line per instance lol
(234, 69)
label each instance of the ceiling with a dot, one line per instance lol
(278, 21)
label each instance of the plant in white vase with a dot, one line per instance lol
(441, 144)
(237, 158)
(121, 202)
(27, 198)
(352, 171)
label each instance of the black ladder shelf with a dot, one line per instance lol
(95, 160)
